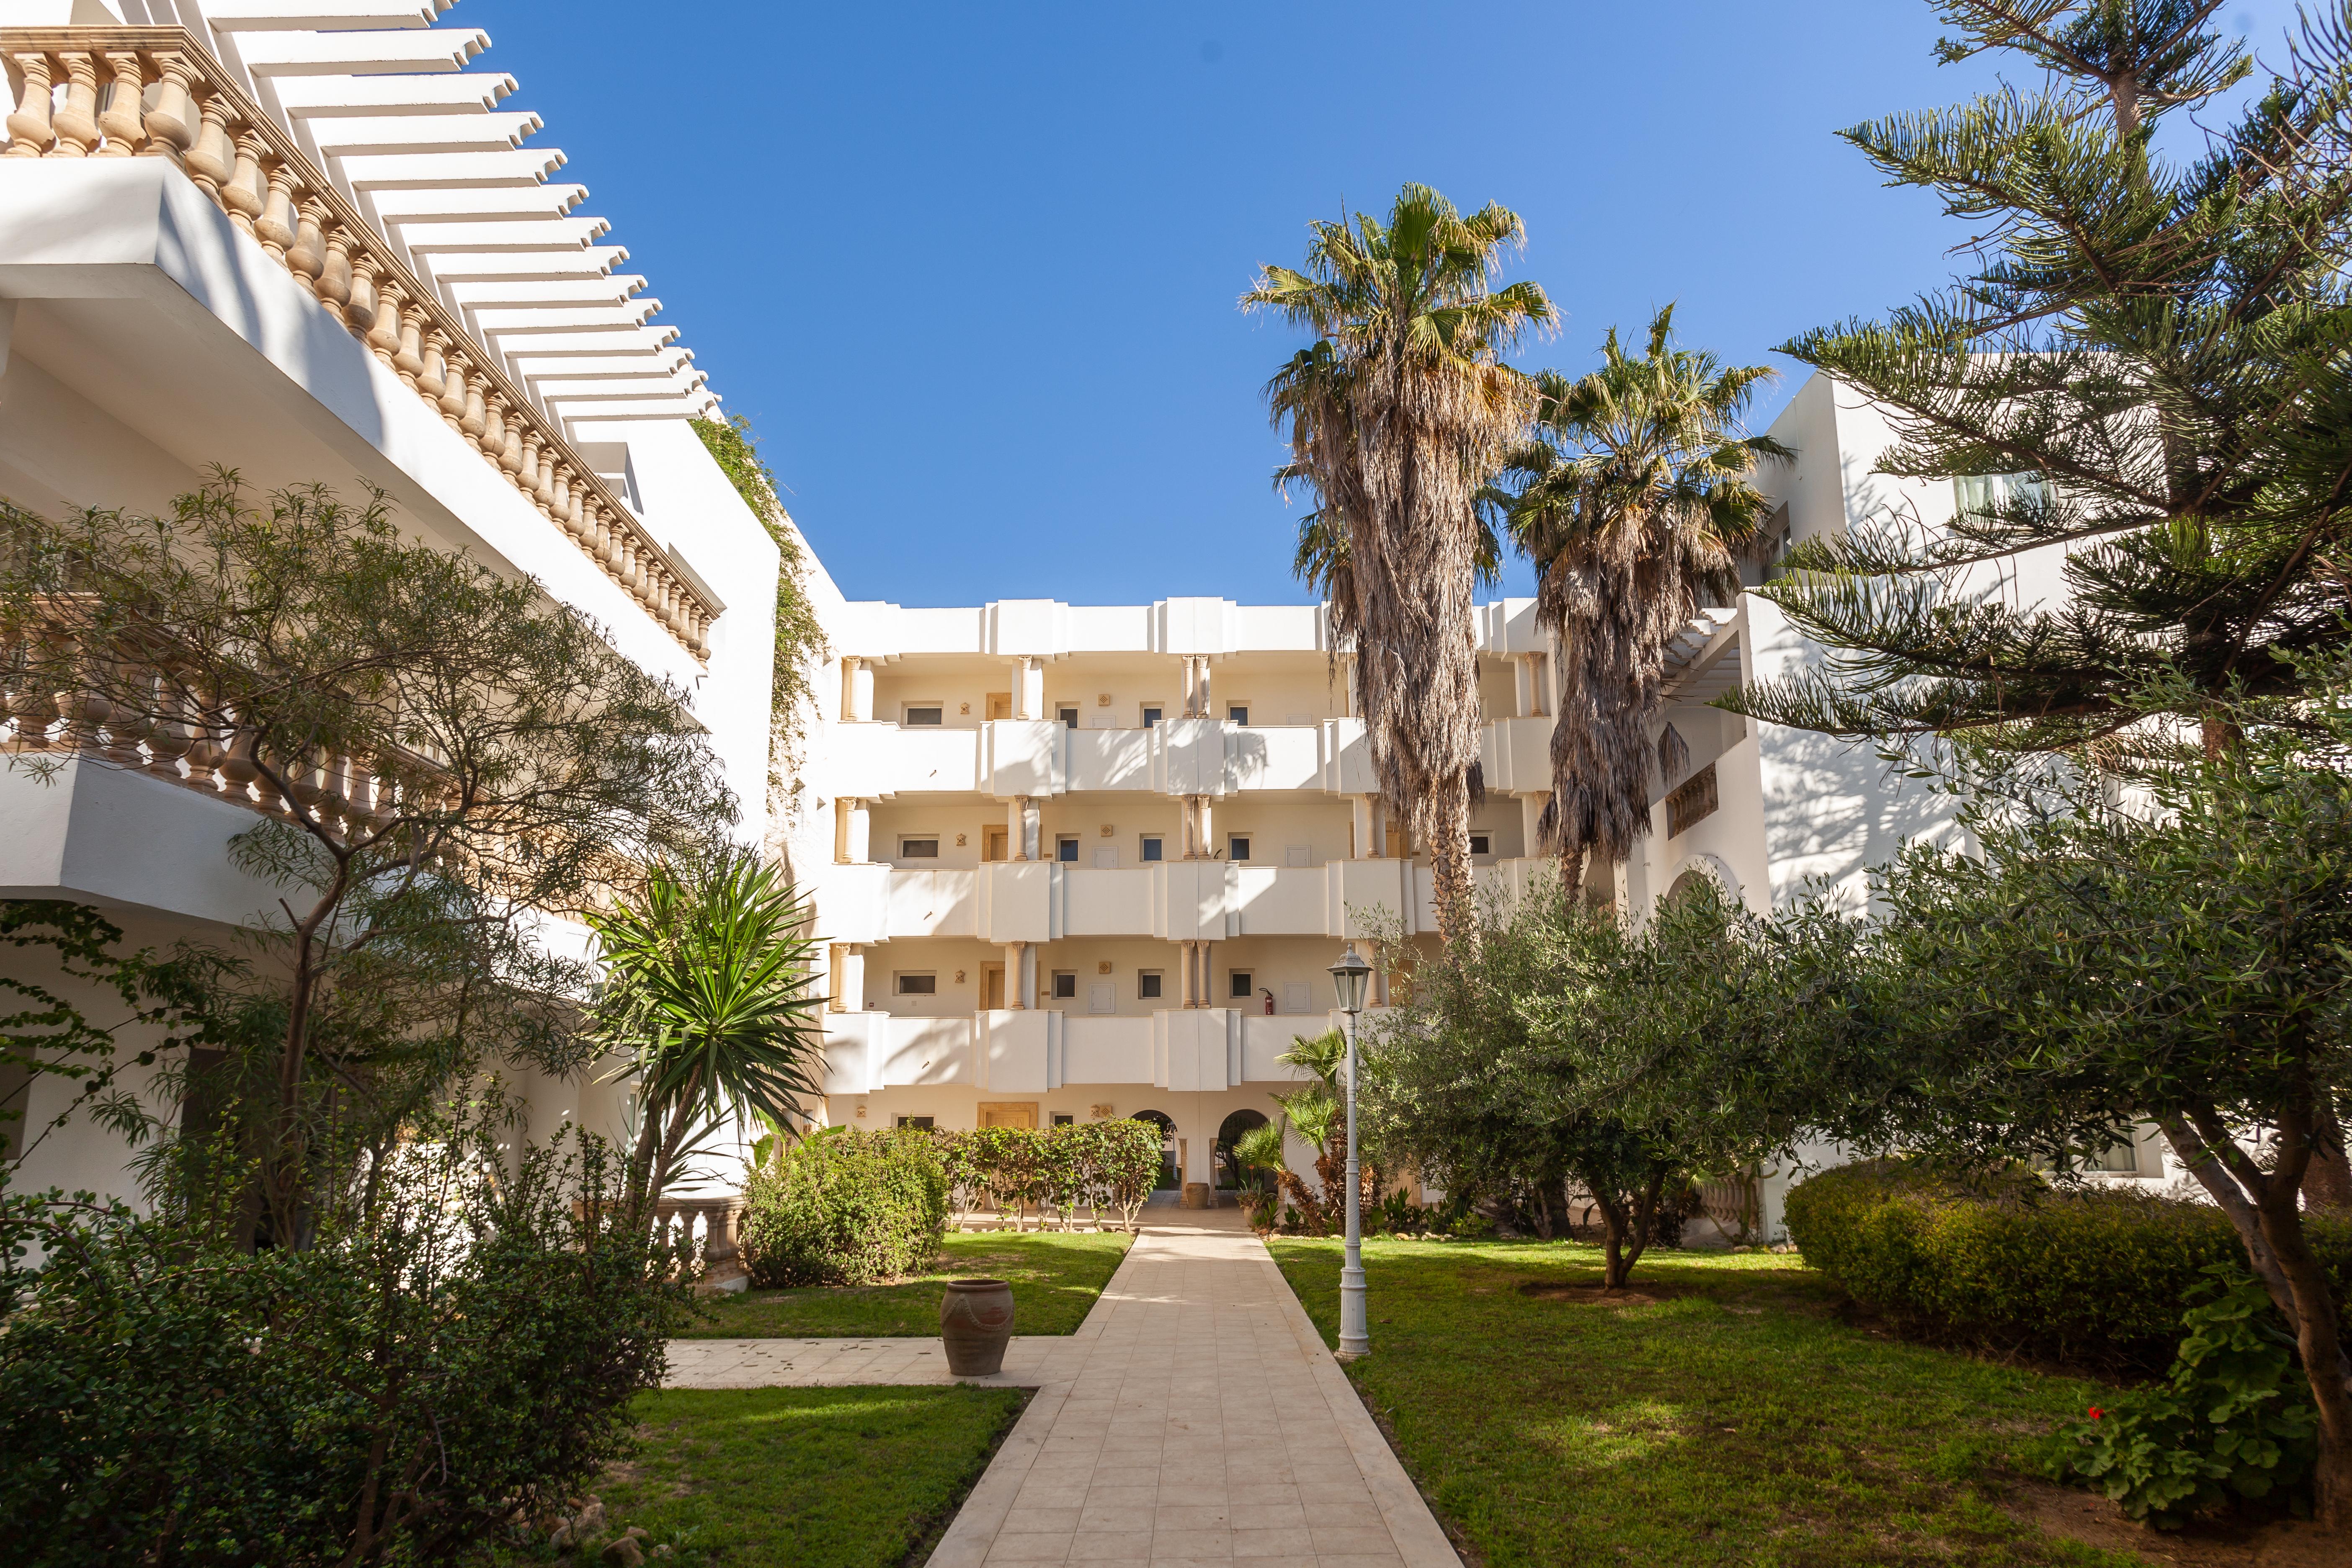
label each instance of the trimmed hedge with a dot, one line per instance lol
(2014, 1264)
(845, 1207)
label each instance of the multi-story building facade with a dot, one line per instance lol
(1067, 861)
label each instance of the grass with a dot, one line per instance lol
(818, 1477)
(1056, 1277)
(1732, 1419)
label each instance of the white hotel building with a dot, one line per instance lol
(1067, 861)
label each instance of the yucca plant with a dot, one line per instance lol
(709, 995)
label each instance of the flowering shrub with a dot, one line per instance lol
(1098, 1165)
(2233, 1420)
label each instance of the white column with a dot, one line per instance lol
(1530, 819)
(1366, 826)
(861, 832)
(1208, 705)
(853, 978)
(859, 697)
(1032, 829)
(1016, 828)
(1030, 703)
(837, 963)
(1523, 687)
(841, 855)
(1016, 984)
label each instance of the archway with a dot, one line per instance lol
(1229, 1132)
(1167, 1179)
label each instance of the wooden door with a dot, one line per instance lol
(994, 843)
(1000, 705)
(992, 986)
(1010, 1114)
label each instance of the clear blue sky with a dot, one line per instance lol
(970, 268)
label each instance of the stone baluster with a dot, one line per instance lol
(31, 704)
(408, 355)
(172, 123)
(237, 768)
(130, 724)
(543, 492)
(473, 417)
(275, 226)
(303, 776)
(29, 131)
(123, 119)
(558, 500)
(307, 256)
(493, 441)
(206, 755)
(173, 736)
(433, 383)
(575, 517)
(243, 195)
(384, 335)
(389, 791)
(359, 311)
(76, 120)
(336, 279)
(510, 449)
(525, 470)
(211, 161)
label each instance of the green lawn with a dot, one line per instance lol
(1055, 1276)
(817, 1478)
(1731, 1420)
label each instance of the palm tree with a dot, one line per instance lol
(708, 993)
(1634, 505)
(1398, 414)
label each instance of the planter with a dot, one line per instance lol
(976, 1322)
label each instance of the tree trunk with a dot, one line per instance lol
(2328, 1183)
(1451, 888)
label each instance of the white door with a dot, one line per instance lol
(1107, 859)
(1102, 996)
(1296, 996)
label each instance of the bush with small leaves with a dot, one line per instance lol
(845, 1208)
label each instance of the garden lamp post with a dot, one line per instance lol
(1352, 975)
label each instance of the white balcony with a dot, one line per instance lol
(1032, 1051)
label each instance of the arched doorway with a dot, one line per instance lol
(1167, 1179)
(1229, 1132)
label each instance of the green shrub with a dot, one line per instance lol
(2234, 1420)
(403, 1394)
(845, 1208)
(2009, 1262)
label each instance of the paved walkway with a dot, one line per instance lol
(1194, 1416)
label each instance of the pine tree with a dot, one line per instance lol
(2147, 369)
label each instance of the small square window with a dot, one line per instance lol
(1147, 986)
(1151, 846)
(1066, 985)
(1063, 1119)
(1151, 716)
(1237, 846)
(925, 1122)
(1479, 844)
(1241, 989)
(1069, 716)
(918, 848)
(918, 985)
(1238, 713)
(931, 713)
(1066, 849)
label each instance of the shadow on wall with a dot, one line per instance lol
(1834, 808)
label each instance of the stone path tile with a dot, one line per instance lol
(1194, 1417)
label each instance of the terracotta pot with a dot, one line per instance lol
(976, 1322)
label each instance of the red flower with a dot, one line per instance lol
(2096, 1413)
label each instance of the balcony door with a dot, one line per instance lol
(994, 843)
(991, 987)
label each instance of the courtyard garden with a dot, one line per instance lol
(1723, 1408)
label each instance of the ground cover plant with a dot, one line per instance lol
(1715, 1412)
(819, 1477)
(1056, 1278)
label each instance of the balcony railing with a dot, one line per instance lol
(157, 93)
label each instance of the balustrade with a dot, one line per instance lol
(704, 1230)
(125, 92)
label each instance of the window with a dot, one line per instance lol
(1980, 496)
(918, 848)
(1147, 986)
(1481, 843)
(1066, 985)
(1237, 713)
(1693, 801)
(1066, 849)
(1065, 1118)
(925, 1122)
(1241, 990)
(1069, 716)
(1151, 716)
(1237, 846)
(1151, 847)
(918, 985)
(931, 713)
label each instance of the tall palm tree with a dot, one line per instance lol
(1634, 505)
(709, 995)
(1398, 414)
